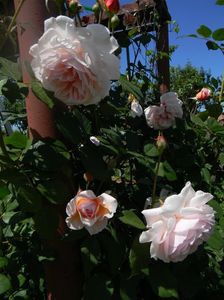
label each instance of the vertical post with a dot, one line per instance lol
(62, 275)
(30, 24)
(163, 65)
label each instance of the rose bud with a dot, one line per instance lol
(204, 94)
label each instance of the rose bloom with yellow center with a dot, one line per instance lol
(86, 210)
(76, 63)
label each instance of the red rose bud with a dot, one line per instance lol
(113, 6)
(204, 94)
(161, 143)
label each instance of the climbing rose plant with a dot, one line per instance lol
(122, 149)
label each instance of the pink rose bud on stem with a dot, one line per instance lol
(204, 94)
(161, 143)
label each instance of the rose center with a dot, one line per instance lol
(87, 207)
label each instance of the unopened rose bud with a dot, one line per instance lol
(161, 143)
(88, 177)
(204, 94)
(96, 9)
(73, 6)
(114, 22)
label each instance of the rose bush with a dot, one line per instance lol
(87, 210)
(179, 226)
(163, 116)
(75, 63)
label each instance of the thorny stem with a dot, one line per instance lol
(11, 23)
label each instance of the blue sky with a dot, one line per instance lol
(190, 14)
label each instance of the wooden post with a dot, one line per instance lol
(63, 278)
(163, 65)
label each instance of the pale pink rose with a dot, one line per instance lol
(204, 94)
(76, 63)
(89, 211)
(179, 226)
(163, 116)
(172, 104)
(136, 108)
(157, 118)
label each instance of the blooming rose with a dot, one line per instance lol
(76, 63)
(136, 109)
(163, 116)
(179, 226)
(87, 210)
(204, 94)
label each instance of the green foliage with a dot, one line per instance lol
(39, 177)
(204, 31)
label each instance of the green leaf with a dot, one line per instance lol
(3, 262)
(42, 94)
(130, 218)
(47, 156)
(215, 126)
(219, 2)
(54, 190)
(29, 199)
(151, 150)
(221, 159)
(214, 110)
(216, 240)
(212, 45)
(114, 247)
(17, 140)
(9, 69)
(83, 121)
(206, 175)
(139, 256)
(70, 128)
(165, 170)
(218, 35)
(5, 284)
(91, 253)
(130, 87)
(204, 31)
(163, 281)
(197, 120)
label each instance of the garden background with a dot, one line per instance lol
(50, 150)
